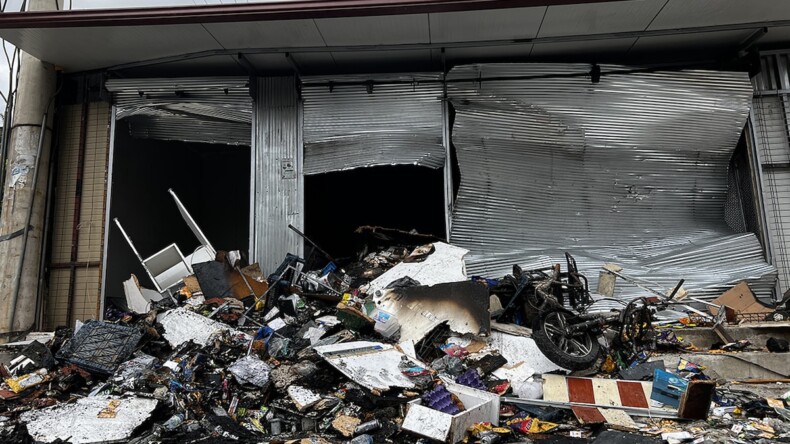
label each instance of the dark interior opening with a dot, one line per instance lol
(405, 197)
(213, 183)
(741, 207)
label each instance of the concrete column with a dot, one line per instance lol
(34, 98)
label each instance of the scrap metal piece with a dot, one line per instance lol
(445, 264)
(517, 349)
(463, 305)
(370, 364)
(89, 420)
(182, 325)
(695, 401)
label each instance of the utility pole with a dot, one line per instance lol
(24, 197)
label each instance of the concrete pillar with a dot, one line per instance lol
(34, 98)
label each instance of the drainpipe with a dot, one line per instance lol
(22, 217)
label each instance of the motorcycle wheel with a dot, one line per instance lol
(577, 352)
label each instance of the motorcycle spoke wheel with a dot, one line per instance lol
(557, 330)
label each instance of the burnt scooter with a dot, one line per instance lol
(568, 333)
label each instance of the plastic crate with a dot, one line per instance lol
(100, 347)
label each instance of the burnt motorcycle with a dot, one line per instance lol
(556, 304)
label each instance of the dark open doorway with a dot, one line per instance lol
(405, 197)
(213, 183)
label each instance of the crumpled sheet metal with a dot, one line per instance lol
(197, 109)
(351, 127)
(520, 349)
(182, 325)
(79, 422)
(463, 305)
(251, 370)
(445, 264)
(370, 364)
(632, 170)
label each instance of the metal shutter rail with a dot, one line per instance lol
(771, 132)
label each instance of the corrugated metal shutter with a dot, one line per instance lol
(631, 170)
(87, 281)
(278, 199)
(199, 109)
(771, 126)
(349, 124)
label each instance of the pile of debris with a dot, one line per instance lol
(398, 346)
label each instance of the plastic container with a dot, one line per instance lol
(174, 422)
(387, 324)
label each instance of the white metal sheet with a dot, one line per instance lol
(719, 40)
(66, 47)
(599, 17)
(80, 422)
(285, 33)
(691, 13)
(370, 364)
(377, 30)
(445, 264)
(470, 26)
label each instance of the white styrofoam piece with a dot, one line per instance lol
(138, 299)
(480, 407)
(370, 364)
(80, 424)
(516, 374)
(276, 324)
(520, 349)
(182, 325)
(445, 264)
(302, 397)
(40, 336)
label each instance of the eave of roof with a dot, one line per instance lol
(258, 12)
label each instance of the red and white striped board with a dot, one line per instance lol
(602, 392)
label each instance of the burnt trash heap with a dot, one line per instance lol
(395, 345)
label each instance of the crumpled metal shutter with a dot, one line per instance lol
(348, 124)
(201, 109)
(631, 170)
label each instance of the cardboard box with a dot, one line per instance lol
(741, 299)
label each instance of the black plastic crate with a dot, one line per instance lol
(100, 347)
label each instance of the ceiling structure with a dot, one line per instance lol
(336, 36)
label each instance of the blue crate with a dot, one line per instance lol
(668, 388)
